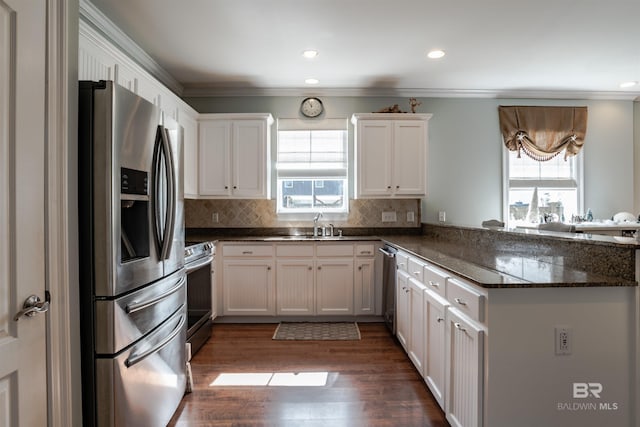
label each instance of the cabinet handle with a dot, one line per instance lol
(440, 319)
(459, 327)
(359, 267)
(247, 252)
(434, 284)
(459, 301)
(310, 268)
(397, 186)
(319, 268)
(235, 187)
(417, 273)
(365, 252)
(226, 187)
(388, 187)
(268, 267)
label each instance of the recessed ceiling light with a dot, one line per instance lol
(435, 54)
(628, 84)
(310, 53)
(312, 81)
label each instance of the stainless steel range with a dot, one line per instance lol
(198, 260)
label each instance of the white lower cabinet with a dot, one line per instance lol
(294, 286)
(299, 279)
(364, 286)
(249, 287)
(402, 308)
(334, 286)
(465, 370)
(416, 347)
(434, 372)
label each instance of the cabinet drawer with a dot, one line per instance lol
(465, 298)
(435, 279)
(247, 250)
(401, 261)
(365, 250)
(294, 250)
(415, 267)
(334, 250)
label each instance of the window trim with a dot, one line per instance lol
(526, 183)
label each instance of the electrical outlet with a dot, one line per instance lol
(389, 216)
(214, 217)
(563, 339)
(442, 216)
(411, 216)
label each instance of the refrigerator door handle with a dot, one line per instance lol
(137, 358)
(137, 306)
(171, 202)
(158, 200)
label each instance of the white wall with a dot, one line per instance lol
(465, 148)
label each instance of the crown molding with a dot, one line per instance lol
(94, 17)
(213, 90)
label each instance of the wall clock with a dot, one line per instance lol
(311, 107)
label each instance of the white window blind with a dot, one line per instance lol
(312, 165)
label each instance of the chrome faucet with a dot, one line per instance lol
(316, 232)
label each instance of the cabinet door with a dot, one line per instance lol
(364, 286)
(214, 141)
(465, 350)
(402, 308)
(249, 159)
(409, 158)
(334, 286)
(434, 366)
(294, 287)
(417, 325)
(248, 287)
(190, 144)
(373, 158)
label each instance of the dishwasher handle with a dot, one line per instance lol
(387, 253)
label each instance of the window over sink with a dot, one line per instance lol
(312, 166)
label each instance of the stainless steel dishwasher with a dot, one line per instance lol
(389, 287)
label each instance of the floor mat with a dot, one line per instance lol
(331, 331)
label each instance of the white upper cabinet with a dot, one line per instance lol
(234, 155)
(391, 154)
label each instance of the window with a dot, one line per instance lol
(312, 166)
(536, 190)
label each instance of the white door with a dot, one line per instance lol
(215, 151)
(334, 286)
(249, 158)
(409, 158)
(23, 379)
(374, 158)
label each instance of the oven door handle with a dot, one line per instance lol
(137, 358)
(137, 306)
(193, 266)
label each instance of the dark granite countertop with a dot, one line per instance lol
(508, 265)
(501, 269)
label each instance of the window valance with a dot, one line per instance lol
(543, 132)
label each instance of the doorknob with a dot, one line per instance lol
(33, 305)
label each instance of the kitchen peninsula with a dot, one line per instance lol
(507, 297)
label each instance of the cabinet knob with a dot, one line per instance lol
(235, 187)
(459, 301)
(397, 186)
(310, 268)
(459, 327)
(268, 267)
(434, 284)
(226, 187)
(319, 268)
(359, 267)
(440, 319)
(388, 187)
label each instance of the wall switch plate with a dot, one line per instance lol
(411, 216)
(563, 340)
(389, 216)
(442, 216)
(214, 217)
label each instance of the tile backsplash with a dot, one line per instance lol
(262, 213)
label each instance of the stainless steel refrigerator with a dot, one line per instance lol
(132, 279)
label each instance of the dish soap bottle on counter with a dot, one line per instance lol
(589, 215)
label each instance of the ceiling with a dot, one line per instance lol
(493, 47)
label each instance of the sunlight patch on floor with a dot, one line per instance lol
(272, 379)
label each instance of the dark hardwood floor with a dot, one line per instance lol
(371, 382)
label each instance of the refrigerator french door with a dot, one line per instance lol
(132, 277)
